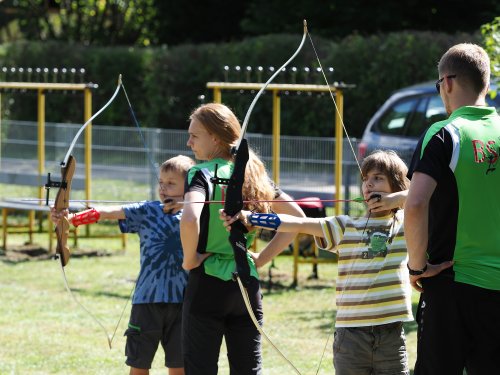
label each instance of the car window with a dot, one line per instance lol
(415, 127)
(435, 111)
(394, 119)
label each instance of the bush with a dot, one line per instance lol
(164, 84)
(491, 33)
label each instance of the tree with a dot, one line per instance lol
(491, 33)
(108, 22)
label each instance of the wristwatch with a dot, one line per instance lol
(416, 273)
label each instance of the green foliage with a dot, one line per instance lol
(158, 22)
(87, 21)
(491, 33)
(164, 84)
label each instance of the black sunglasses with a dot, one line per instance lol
(441, 80)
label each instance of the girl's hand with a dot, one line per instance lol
(241, 216)
(255, 257)
(55, 216)
(170, 204)
(387, 201)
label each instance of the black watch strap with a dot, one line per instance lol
(416, 273)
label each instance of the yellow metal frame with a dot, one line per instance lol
(276, 88)
(40, 87)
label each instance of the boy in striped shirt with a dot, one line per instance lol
(373, 290)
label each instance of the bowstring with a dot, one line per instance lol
(334, 102)
(359, 167)
(161, 188)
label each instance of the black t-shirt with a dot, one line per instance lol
(199, 183)
(443, 205)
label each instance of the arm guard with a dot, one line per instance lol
(86, 217)
(268, 221)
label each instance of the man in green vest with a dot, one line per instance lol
(452, 223)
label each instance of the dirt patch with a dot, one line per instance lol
(30, 252)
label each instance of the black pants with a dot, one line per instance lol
(214, 308)
(458, 327)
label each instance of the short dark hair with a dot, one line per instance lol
(471, 65)
(390, 164)
(180, 164)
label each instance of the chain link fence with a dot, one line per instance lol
(121, 169)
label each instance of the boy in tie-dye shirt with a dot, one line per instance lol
(157, 302)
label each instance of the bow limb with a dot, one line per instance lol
(70, 150)
(249, 112)
(234, 203)
(78, 302)
(68, 167)
(259, 328)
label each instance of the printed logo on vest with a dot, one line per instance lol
(489, 153)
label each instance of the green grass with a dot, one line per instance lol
(43, 331)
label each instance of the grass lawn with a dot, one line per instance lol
(43, 331)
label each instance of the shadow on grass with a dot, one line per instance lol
(26, 253)
(86, 292)
(309, 316)
(331, 315)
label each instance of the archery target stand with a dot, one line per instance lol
(283, 90)
(41, 87)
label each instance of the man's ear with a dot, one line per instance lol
(449, 84)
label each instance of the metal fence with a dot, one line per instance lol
(307, 164)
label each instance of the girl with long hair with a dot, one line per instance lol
(213, 305)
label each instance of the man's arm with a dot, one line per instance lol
(417, 227)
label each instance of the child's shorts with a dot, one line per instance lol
(379, 350)
(150, 324)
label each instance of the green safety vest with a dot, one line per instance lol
(221, 263)
(477, 173)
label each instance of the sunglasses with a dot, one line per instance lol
(438, 82)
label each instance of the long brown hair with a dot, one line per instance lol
(219, 121)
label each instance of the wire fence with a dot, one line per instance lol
(120, 161)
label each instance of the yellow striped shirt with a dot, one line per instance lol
(373, 285)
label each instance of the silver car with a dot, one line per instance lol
(404, 117)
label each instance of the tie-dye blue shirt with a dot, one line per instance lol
(162, 278)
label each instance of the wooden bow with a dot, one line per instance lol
(68, 167)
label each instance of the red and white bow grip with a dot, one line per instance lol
(86, 217)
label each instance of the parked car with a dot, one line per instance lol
(403, 118)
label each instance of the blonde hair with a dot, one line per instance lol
(390, 164)
(179, 164)
(219, 121)
(470, 63)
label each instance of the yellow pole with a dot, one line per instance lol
(338, 150)
(0, 128)
(217, 95)
(88, 147)
(296, 244)
(276, 136)
(41, 140)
